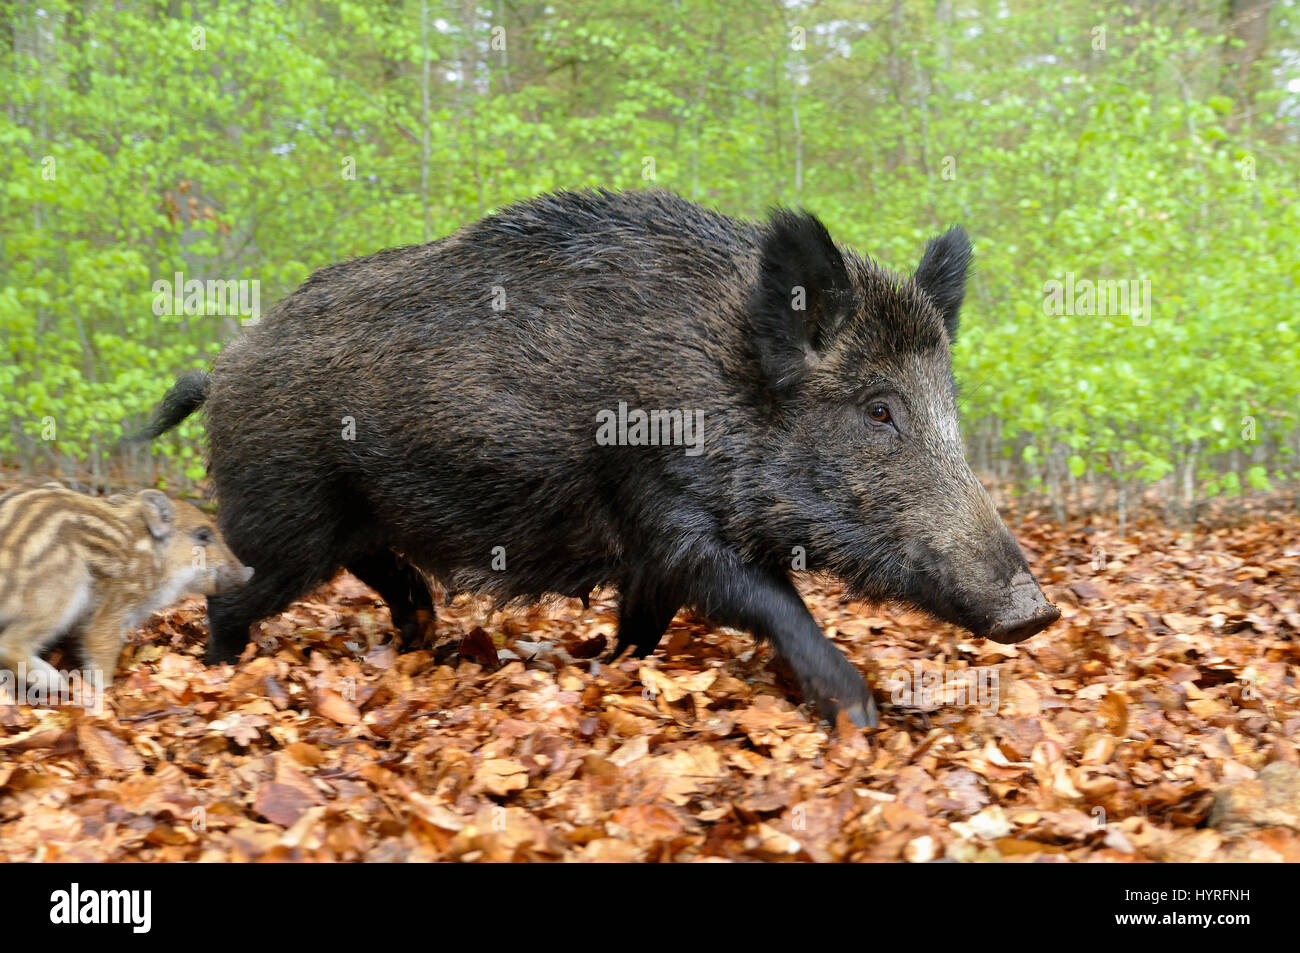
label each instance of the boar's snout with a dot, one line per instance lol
(1025, 612)
(981, 582)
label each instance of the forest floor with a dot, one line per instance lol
(1137, 728)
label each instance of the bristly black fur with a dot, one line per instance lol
(942, 274)
(432, 411)
(185, 396)
(797, 255)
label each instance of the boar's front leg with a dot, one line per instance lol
(642, 621)
(767, 604)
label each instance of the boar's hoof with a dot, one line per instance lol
(420, 632)
(862, 712)
(863, 716)
(219, 654)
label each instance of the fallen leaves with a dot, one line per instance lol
(1166, 699)
(107, 754)
(500, 776)
(1271, 799)
(330, 704)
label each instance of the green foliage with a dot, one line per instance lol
(260, 141)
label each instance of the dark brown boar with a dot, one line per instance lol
(618, 389)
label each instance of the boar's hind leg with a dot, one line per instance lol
(767, 604)
(404, 590)
(642, 622)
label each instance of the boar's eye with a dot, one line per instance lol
(203, 534)
(879, 413)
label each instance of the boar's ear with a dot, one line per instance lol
(159, 514)
(802, 296)
(942, 275)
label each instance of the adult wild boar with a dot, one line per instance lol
(621, 389)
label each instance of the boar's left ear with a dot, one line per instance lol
(159, 514)
(942, 275)
(802, 296)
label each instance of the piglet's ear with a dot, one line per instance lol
(942, 275)
(802, 295)
(159, 513)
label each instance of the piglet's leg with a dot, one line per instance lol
(102, 642)
(21, 641)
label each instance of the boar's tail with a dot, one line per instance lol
(186, 396)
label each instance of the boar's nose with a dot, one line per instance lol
(1026, 612)
(1021, 629)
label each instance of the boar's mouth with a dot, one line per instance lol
(1022, 615)
(1022, 612)
(1010, 632)
(1006, 610)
